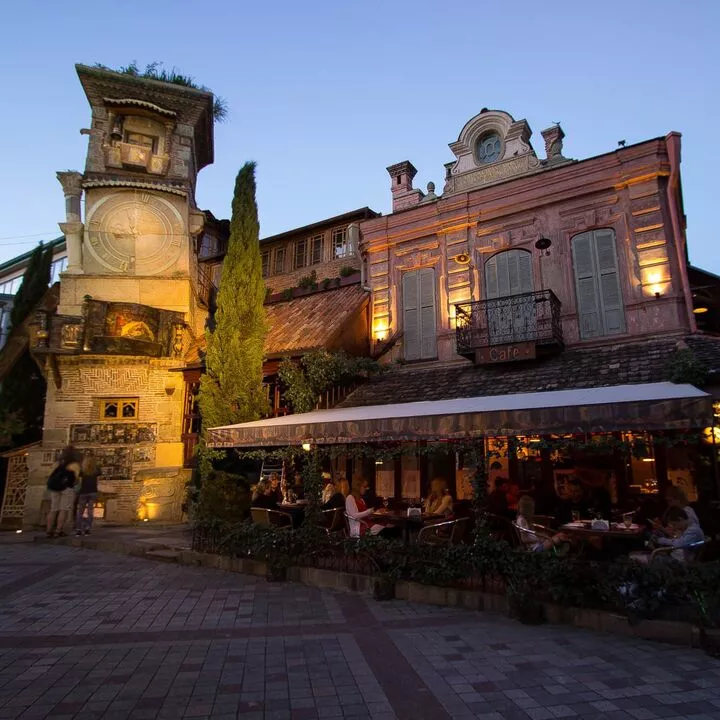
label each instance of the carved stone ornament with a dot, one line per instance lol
(71, 335)
(515, 155)
(71, 182)
(178, 337)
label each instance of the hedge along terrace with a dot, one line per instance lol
(689, 592)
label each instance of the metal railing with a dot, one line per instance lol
(528, 317)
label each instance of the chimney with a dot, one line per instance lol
(553, 137)
(403, 194)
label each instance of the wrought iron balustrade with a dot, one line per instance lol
(528, 317)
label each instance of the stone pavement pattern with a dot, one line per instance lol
(84, 636)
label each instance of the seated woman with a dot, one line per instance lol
(263, 496)
(533, 538)
(439, 502)
(358, 514)
(275, 490)
(334, 494)
(329, 488)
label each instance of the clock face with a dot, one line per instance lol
(135, 233)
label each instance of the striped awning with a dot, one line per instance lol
(648, 407)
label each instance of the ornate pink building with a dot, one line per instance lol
(592, 251)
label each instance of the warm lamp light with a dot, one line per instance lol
(306, 446)
(648, 459)
(700, 310)
(170, 387)
(381, 330)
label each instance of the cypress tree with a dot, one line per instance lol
(33, 286)
(22, 395)
(231, 390)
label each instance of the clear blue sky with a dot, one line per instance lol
(325, 95)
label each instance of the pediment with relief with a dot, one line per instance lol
(492, 147)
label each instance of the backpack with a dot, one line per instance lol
(58, 480)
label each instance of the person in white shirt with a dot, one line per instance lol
(676, 498)
(358, 513)
(687, 535)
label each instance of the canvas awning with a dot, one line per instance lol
(650, 406)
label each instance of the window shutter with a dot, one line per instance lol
(587, 294)
(600, 306)
(491, 279)
(411, 316)
(503, 275)
(610, 295)
(524, 265)
(428, 339)
(508, 273)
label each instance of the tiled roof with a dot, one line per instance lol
(302, 324)
(313, 321)
(621, 364)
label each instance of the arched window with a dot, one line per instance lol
(508, 273)
(597, 282)
(419, 327)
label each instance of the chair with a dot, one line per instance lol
(346, 520)
(271, 518)
(332, 521)
(693, 553)
(448, 532)
(501, 528)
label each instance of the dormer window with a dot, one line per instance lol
(488, 148)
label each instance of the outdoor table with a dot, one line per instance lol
(409, 525)
(616, 537)
(617, 530)
(295, 510)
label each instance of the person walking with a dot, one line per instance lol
(87, 495)
(62, 495)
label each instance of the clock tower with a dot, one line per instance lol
(131, 301)
(147, 142)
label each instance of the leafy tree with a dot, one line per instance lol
(317, 371)
(231, 390)
(22, 395)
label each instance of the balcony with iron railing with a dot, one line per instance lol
(531, 320)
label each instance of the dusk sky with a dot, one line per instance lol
(325, 95)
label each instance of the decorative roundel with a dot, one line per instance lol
(488, 148)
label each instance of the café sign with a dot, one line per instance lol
(505, 353)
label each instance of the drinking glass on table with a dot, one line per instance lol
(386, 503)
(627, 520)
(575, 515)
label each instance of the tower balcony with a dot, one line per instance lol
(506, 329)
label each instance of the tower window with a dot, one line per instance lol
(147, 141)
(118, 409)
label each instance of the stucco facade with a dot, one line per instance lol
(514, 202)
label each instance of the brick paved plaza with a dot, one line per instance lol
(86, 635)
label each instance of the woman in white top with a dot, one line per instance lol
(358, 514)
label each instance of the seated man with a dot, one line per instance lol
(686, 533)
